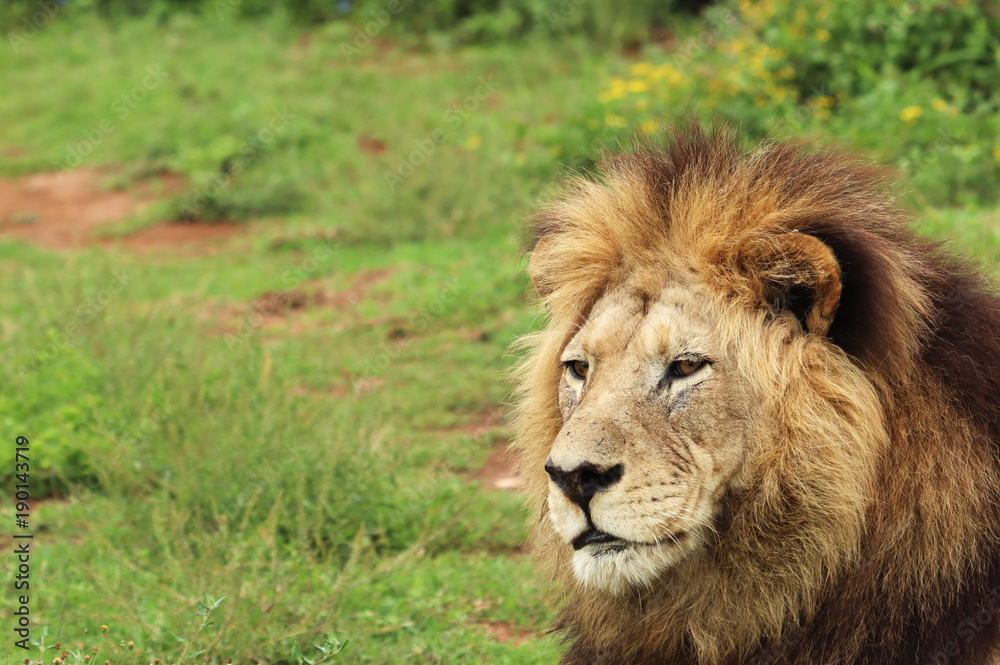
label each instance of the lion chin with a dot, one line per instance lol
(762, 423)
(618, 569)
(604, 561)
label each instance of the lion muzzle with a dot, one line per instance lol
(581, 483)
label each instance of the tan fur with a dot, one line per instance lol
(808, 452)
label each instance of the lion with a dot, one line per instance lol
(762, 422)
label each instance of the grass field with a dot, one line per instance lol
(295, 421)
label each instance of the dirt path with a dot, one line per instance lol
(63, 211)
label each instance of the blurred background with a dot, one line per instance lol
(261, 267)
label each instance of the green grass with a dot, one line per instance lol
(313, 472)
(312, 468)
(220, 85)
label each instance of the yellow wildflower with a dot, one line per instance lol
(674, 75)
(944, 107)
(823, 35)
(825, 100)
(778, 93)
(911, 114)
(786, 72)
(612, 120)
(636, 85)
(616, 90)
(649, 127)
(473, 141)
(640, 69)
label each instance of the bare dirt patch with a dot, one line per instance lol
(63, 211)
(501, 631)
(505, 631)
(273, 309)
(498, 470)
(371, 145)
(179, 234)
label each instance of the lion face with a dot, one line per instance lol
(656, 428)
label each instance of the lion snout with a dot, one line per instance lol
(583, 481)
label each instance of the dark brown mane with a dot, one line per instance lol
(964, 341)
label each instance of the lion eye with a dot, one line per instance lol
(578, 368)
(686, 366)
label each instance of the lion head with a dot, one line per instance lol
(735, 427)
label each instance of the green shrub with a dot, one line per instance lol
(832, 48)
(631, 21)
(916, 83)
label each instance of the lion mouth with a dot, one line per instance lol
(593, 537)
(596, 537)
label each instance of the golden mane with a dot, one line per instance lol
(906, 370)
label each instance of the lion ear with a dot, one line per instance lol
(794, 272)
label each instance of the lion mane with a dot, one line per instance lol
(877, 339)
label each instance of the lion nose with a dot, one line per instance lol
(583, 482)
